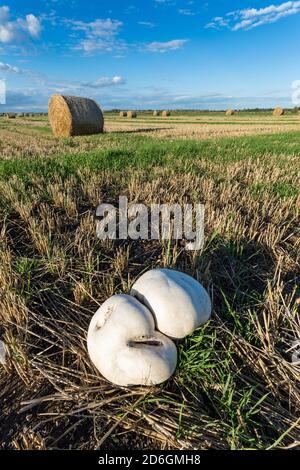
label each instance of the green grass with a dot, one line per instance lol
(228, 121)
(281, 189)
(213, 114)
(144, 153)
(17, 126)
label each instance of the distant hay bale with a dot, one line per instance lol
(73, 115)
(166, 113)
(11, 115)
(20, 115)
(156, 113)
(278, 112)
(123, 114)
(131, 114)
(229, 112)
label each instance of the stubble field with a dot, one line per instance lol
(237, 384)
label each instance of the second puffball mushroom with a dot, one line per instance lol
(125, 347)
(179, 303)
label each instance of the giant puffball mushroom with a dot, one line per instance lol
(178, 302)
(124, 346)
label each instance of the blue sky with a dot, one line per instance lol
(150, 53)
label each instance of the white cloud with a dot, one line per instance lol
(148, 24)
(80, 86)
(166, 46)
(18, 29)
(9, 68)
(33, 25)
(4, 14)
(90, 46)
(186, 12)
(99, 28)
(93, 45)
(98, 36)
(252, 17)
(104, 82)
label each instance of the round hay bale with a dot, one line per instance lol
(278, 112)
(156, 113)
(229, 112)
(123, 114)
(166, 113)
(11, 115)
(73, 115)
(131, 114)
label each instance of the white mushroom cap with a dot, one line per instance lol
(124, 346)
(178, 302)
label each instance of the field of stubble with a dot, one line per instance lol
(237, 384)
